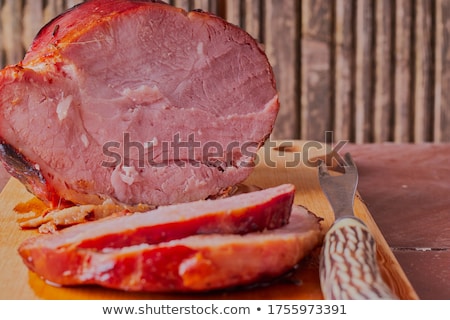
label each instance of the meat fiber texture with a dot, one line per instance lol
(214, 249)
(135, 101)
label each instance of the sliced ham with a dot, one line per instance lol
(255, 211)
(138, 102)
(193, 263)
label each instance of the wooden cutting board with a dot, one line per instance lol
(283, 163)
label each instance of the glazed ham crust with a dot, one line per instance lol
(138, 102)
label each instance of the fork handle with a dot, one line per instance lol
(348, 265)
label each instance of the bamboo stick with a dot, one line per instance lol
(363, 72)
(282, 17)
(11, 19)
(32, 20)
(253, 19)
(402, 71)
(200, 4)
(343, 69)
(442, 72)
(315, 69)
(233, 12)
(422, 72)
(383, 71)
(183, 4)
(52, 9)
(2, 57)
(71, 3)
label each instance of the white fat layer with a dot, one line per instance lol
(53, 284)
(63, 107)
(38, 67)
(202, 60)
(69, 69)
(151, 143)
(85, 140)
(128, 175)
(187, 264)
(98, 270)
(200, 49)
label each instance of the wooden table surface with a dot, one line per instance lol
(406, 187)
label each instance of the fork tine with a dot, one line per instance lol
(350, 166)
(339, 188)
(345, 165)
(323, 170)
(349, 160)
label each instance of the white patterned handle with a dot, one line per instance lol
(348, 265)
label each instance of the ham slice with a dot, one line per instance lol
(193, 263)
(255, 211)
(138, 102)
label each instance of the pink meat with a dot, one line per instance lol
(193, 263)
(248, 212)
(136, 101)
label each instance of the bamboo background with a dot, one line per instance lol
(367, 70)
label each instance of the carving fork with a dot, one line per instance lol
(348, 264)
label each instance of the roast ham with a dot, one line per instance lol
(138, 102)
(255, 211)
(197, 262)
